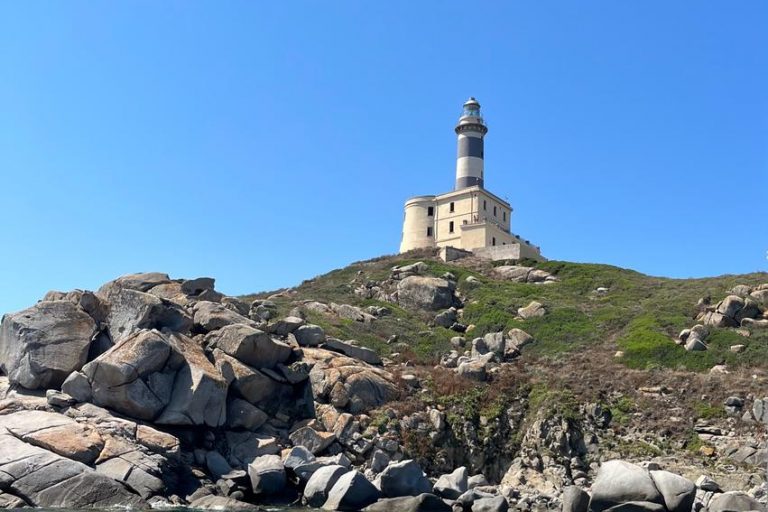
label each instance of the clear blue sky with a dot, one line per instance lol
(263, 143)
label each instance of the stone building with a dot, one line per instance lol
(469, 218)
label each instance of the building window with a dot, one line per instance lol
(452, 208)
(494, 211)
(430, 211)
(450, 226)
(485, 205)
(493, 241)
(504, 214)
(429, 231)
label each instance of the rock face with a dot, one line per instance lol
(159, 376)
(44, 479)
(431, 293)
(42, 345)
(56, 433)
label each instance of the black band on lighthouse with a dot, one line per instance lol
(468, 181)
(470, 146)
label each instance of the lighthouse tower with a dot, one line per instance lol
(469, 219)
(469, 158)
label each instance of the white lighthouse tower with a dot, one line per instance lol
(469, 219)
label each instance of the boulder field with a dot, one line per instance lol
(153, 392)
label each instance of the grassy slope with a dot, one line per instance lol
(639, 315)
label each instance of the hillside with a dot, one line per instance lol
(614, 347)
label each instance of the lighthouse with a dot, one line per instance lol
(470, 153)
(469, 219)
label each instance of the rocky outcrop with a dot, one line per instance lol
(345, 384)
(184, 397)
(159, 376)
(42, 478)
(177, 354)
(730, 311)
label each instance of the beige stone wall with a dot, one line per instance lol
(465, 219)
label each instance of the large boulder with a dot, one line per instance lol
(730, 306)
(355, 352)
(520, 274)
(431, 293)
(142, 281)
(134, 377)
(249, 345)
(760, 295)
(575, 499)
(678, 492)
(420, 503)
(347, 383)
(490, 504)
(352, 491)
(620, 482)
(209, 316)
(296, 457)
(267, 474)
(131, 310)
(734, 501)
(309, 335)
(311, 439)
(241, 414)
(532, 310)
(42, 345)
(404, 478)
(157, 376)
(452, 485)
(244, 447)
(320, 483)
(199, 395)
(254, 386)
